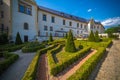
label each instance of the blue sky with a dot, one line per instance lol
(106, 11)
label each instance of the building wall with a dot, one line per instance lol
(5, 8)
(18, 20)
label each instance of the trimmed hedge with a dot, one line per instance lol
(9, 59)
(30, 73)
(56, 68)
(11, 48)
(85, 70)
(32, 49)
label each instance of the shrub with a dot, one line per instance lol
(50, 38)
(85, 70)
(9, 59)
(65, 36)
(30, 73)
(3, 38)
(32, 47)
(97, 39)
(80, 46)
(70, 46)
(91, 37)
(18, 39)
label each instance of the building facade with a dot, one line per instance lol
(37, 22)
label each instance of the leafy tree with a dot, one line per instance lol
(70, 46)
(113, 29)
(50, 38)
(97, 38)
(91, 37)
(18, 39)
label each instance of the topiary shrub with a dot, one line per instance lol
(91, 37)
(50, 38)
(70, 46)
(97, 38)
(18, 39)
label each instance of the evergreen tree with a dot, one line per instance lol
(91, 37)
(50, 38)
(70, 46)
(18, 39)
(97, 38)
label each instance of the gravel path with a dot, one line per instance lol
(110, 69)
(17, 69)
(74, 68)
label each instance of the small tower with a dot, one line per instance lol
(91, 25)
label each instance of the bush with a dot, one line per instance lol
(9, 59)
(97, 39)
(57, 68)
(11, 47)
(91, 37)
(18, 39)
(80, 46)
(70, 46)
(30, 73)
(85, 70)
(50, 38)
(3, 39)
(32, 47)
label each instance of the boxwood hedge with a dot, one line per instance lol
(85, 70)
(30, 73)
(56, 68)
(9, 59)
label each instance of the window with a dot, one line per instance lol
(1, 2)
(70, 23)
(2, 14)
(98, 27)
(63, 22)
(53, 19)
(25, 38)
(61, 28)
(77, 25)
(45, 28)
(25, 8)
(44, 17)
(51, 28)
(26, 26)
(77, 32)
(46, 33)
(81, 26)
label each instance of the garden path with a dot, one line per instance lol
(17, 69)
(42, 71)
(110, 69)
(68, 72)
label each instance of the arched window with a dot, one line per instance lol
(26, 26)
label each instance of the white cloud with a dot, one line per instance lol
(89, 10)
(111, 21)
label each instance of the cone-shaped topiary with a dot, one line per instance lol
(97, 38)
(18, 39)
(70, 46)
(50, 38)
(91, 37)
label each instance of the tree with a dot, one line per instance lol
(70, 46)
(50, 38)
(97, 38)
(18, 39)
(91, 37)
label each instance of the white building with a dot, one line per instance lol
(33, 21)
